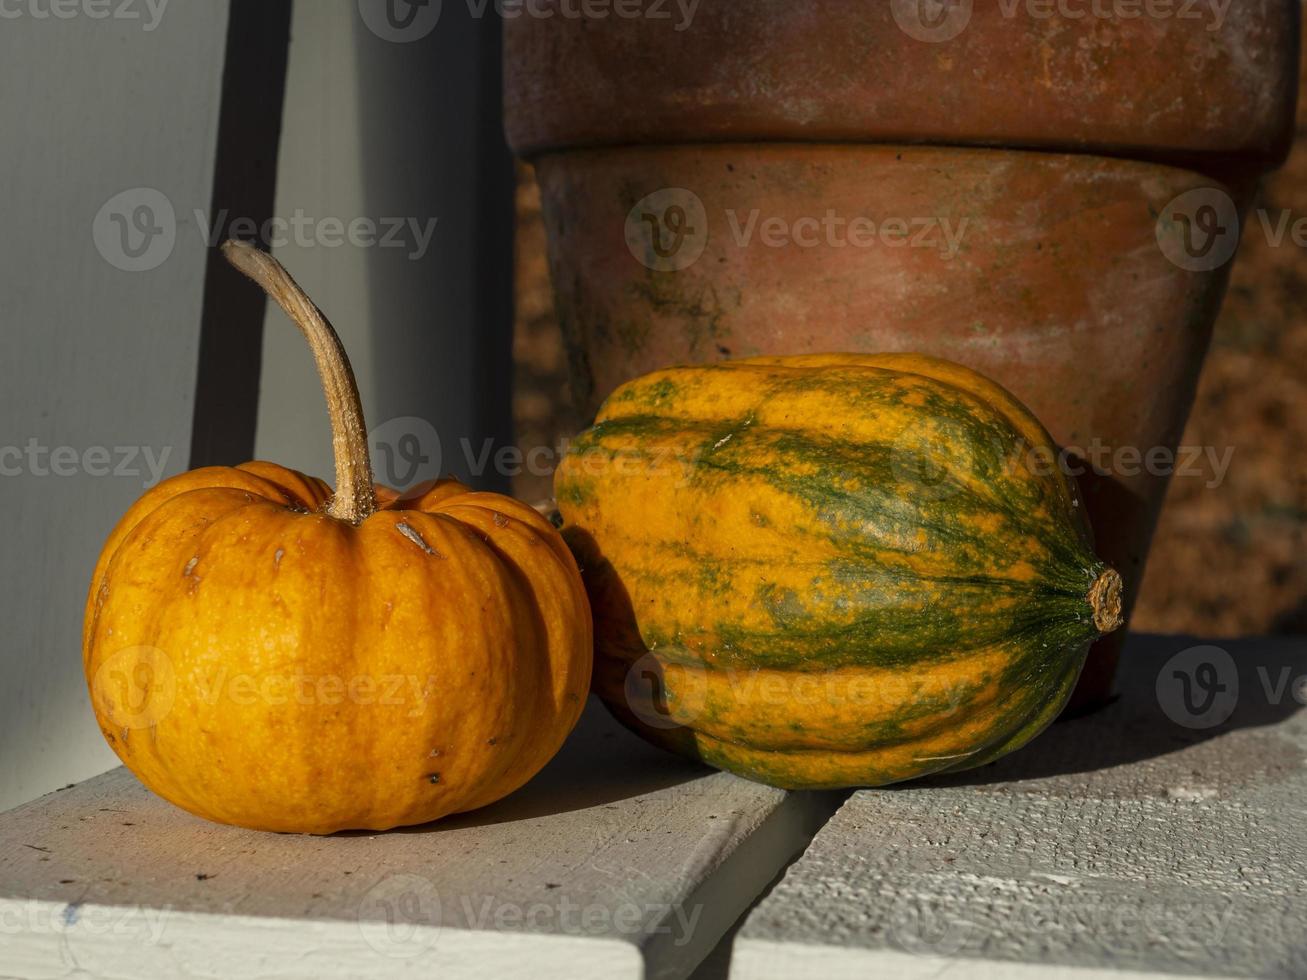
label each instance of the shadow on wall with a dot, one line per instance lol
(432, 147)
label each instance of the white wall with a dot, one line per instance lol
(91, 355)
(375, 130)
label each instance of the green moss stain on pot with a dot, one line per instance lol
(699, 307)
(632, 335)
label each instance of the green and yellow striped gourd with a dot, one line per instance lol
(831, 570)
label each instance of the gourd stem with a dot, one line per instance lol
(354, 499)
(1105, 599)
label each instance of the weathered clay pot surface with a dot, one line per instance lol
(1043, 271)
(1181, 81)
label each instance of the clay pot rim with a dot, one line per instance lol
(1232, 170)
(832, 72)
(1235, 182)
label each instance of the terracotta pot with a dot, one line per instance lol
(1086, 284)
(1192, 85)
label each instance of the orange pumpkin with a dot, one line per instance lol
(262, 652)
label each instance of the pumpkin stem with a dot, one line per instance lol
(354, 499)
(1105, 598)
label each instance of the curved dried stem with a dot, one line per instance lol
(354, 499)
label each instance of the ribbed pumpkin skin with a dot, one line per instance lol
(830, 570)
(257, 662)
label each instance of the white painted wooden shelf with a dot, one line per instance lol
(1123, 844)
(1131, 842)
(618, 860)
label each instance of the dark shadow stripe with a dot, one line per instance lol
(497, 204)
(244, 186)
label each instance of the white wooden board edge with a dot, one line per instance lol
(88, 941)
(726, 894)
(761, 959)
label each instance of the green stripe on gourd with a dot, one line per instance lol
(843, 517)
